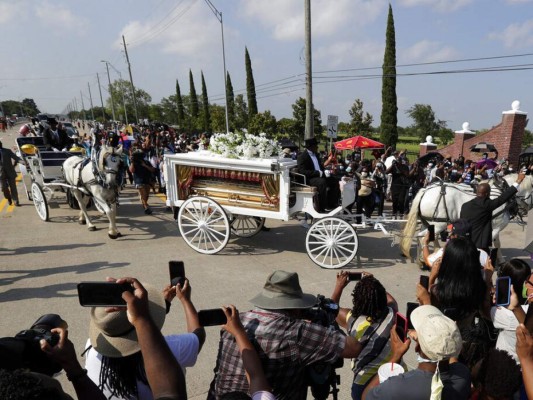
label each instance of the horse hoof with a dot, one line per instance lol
(92, 228)
(81, 222)
(114, 236)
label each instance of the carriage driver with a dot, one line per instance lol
(310, 166)
(478, 211)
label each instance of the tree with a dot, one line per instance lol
(528, 139)
(231, 103)
(241, 113)
(193, 97)
(168, 110)
(205, 107)
(360, 123)
(287, 128)
(424, 121)
(218, 118)
(446, 135)
(179, 105)
(250, 85)
(389, 110)
(122, 87)
(29, 107)
(298, 112)
(263, 122)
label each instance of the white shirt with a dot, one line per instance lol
(506, 321)
(483, 257)
(388, 161)
(184, 347)
(315, 161)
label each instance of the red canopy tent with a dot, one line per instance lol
(358, 141)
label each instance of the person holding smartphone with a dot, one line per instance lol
(506, 319)
(370, 321)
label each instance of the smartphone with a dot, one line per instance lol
(409, 309)
(401, 326)
(102, 294)
(431, 230)
(528, 322)
(176, 270)
(503, 291)
(212, 317)
(355, 276)
(424, 281)
(493, 256)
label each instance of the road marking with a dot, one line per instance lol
(2, 204)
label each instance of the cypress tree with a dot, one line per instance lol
(205, 107)
(389, 111)
(193, 97)
(179, 104)
(250, 86)
(231, 102)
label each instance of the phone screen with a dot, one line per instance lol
(493, 256)
(176, 270)
(102, 294)
(528, 322)
(212, 317)
(424, 281)
(431, 229)
(503, 291)
(409, 309)
(355, 276)
(401, 326)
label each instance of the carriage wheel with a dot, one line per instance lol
(204, 225)
(246, 226)
(39, 200)
(72, 201)
(331, 242)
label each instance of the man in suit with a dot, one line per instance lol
(310, 166)
(8, 175)
(55, 137)
(478, 211)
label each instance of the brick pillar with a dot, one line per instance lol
(509, 142)
(427, 148)
(460, 138)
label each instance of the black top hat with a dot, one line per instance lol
(311, 142)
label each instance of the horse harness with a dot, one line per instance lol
(98, 175)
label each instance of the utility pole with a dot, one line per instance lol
(83, 106)
(309, 131)
(91, 100)
(131, 81)
(101, 99)
(110, 92)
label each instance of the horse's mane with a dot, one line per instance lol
(104, 151)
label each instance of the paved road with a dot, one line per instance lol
(42, 262)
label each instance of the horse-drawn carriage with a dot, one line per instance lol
(218, 196)
(49, 175)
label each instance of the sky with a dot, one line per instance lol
(51, 50)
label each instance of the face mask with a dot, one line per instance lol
(348, 169)
(421, 359)
(364, 174)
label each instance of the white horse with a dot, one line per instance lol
(440, 204)
(96, 178)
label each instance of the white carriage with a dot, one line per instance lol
(217, 196)
(42, 174)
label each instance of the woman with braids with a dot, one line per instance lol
(369, 321)
(113, 355)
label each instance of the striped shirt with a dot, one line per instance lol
(375, 338)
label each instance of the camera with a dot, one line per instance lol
(321, 376)
(24, 350)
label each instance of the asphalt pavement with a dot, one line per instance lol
(42, 262)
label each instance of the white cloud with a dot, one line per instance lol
(427, 51)
(9, 11)
(516, 35)
(60, 18)
(285, 18)
(339, 53)
(439, 5)
(518, 1)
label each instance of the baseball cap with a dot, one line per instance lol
(461, 227)
(438, 335)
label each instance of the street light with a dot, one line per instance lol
(110, 91)
(218, 16)
(121, 91)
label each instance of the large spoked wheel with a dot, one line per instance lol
(331, 242)
(246, 226)
(204, 225)
(39, 200)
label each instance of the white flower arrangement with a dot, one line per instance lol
(243, 145)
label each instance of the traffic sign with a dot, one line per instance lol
(333, 122)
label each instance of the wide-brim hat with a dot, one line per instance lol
(112, 335)
(310, 142)
(282, 291)
(438, 336)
